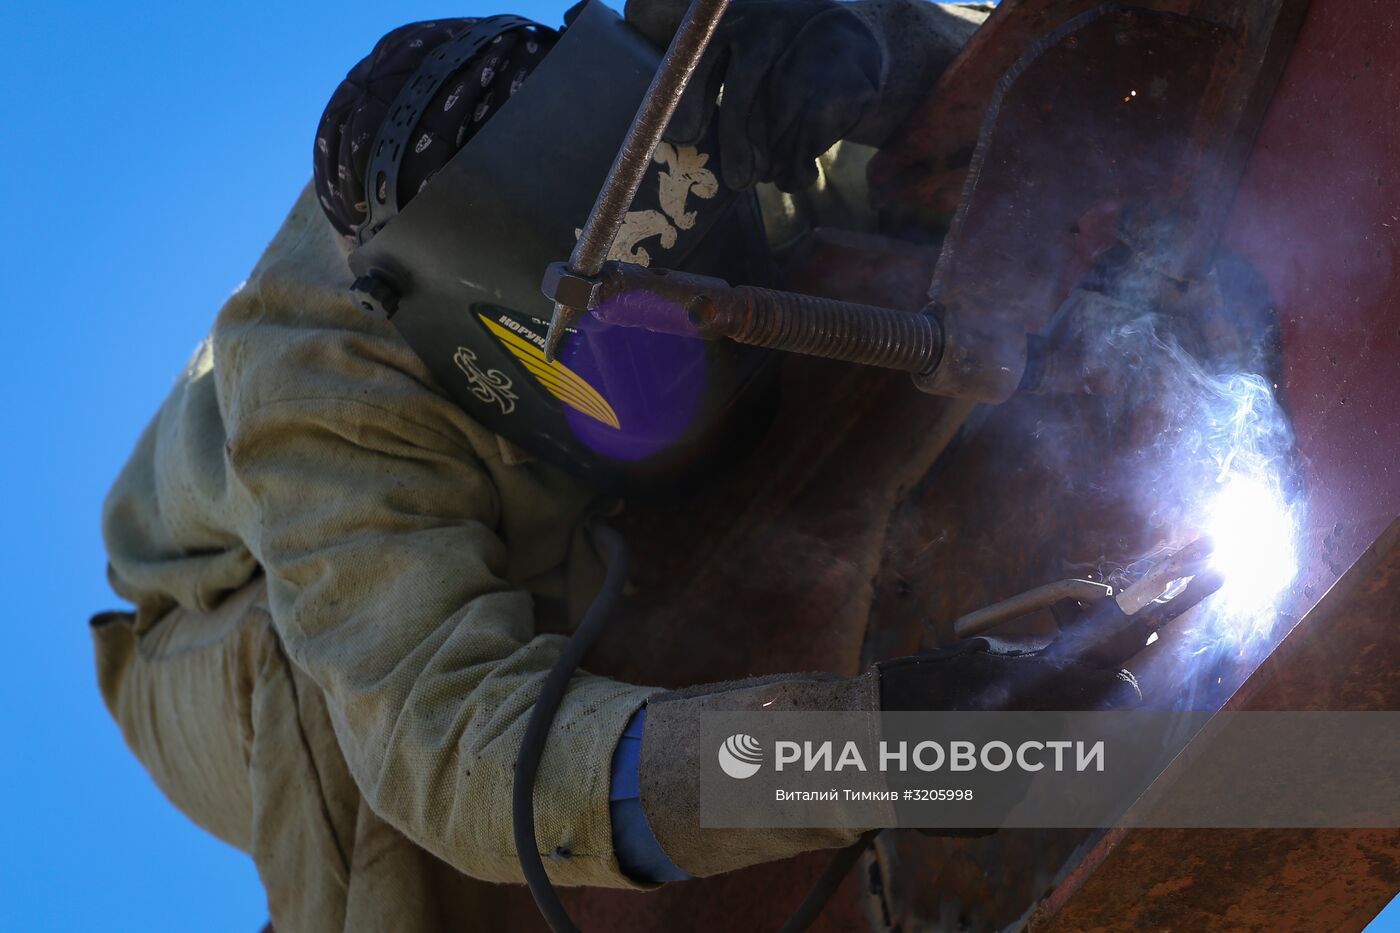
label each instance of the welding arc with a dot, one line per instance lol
(1186, 562)
(1203, 584)
(1107, 636)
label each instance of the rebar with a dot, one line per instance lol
(837, 330)
(1042, 597)
(634, 155)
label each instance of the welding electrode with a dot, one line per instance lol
(1103, 627)
(1110, 631)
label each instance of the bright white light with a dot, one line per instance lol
(1255, 538)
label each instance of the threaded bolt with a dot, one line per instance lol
(822, 327)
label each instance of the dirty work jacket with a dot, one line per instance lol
(412, 564)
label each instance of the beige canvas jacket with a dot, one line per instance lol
(410, 565)
(306, 490)
(348, 594)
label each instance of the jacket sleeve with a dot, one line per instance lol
(365, 495)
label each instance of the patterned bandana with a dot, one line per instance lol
(465, 101)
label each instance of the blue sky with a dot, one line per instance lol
(152, 151)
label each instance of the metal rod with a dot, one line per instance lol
(835, 330)
(676, 302)
(634, 156)
(1042, 597)
(1184, 563)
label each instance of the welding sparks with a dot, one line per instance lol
(1207, 457)
(1254, 533)
(1220, 468)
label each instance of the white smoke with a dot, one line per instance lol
(1214, 457)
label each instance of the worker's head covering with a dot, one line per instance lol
(465, 101)
(508, 170)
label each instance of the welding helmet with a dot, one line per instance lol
(458, 269)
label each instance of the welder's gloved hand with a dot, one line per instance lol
(973, 675)
(798, 75)
(671, 759)
(980, 674)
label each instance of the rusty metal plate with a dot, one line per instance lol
(1104, 111)
(1317, 216)
(1344, 655)
(777, 565)
(918, 179)
(766, 569)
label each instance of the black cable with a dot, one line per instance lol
(527, 762)
(826, 885)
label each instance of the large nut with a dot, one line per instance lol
(983, 358)
(570, 289)
(376, 294)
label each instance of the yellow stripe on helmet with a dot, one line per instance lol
(559, 380)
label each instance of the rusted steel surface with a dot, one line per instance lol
(1317, 215)
(1344, 655)
(919, 178)
(1053, 486)
(1317, 218)
(1237, 881)
(767, 569)
(847, 509)
(1104, 114)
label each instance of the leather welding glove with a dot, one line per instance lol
(984, 674)
(974, 675)
(799, 75)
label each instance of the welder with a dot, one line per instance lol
(350, 571)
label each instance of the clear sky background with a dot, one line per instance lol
(151, 151)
